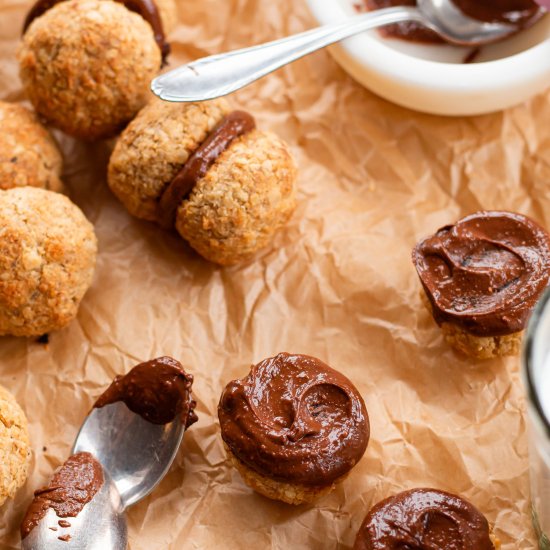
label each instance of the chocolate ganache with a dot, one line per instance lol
(157, 390)
(295, 419)
(486, 272)
(519, 13)
(224, 133)
(70, 489)
(146, 8)
(424, 519)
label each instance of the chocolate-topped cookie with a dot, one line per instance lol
(293, 427)
(205, 170)
(482, 277)
(425, 519)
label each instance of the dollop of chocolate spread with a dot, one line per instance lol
(157, 390)
(220, 138)
(146, 8)
(486, 272)
(519, 13)
(70, 489)
(424, 519)
(295, 419)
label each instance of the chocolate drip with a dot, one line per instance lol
(424, 519)
(146, 8)
(70, 489)
(485, 273)
(519, 13)
(295, 419)
(158, 390)
(227, 130)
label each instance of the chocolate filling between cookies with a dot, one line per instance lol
(70, 489)
(158, 390)
(146, 8)
(231, 127)
(295, 419)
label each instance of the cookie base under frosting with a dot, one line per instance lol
(290, 493)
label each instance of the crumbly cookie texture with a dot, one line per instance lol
(14, 446)
(47, 258)
(153, 149)
(495, 540)
(28, 153)
(86, 66)
(235, 209)
(291, 493)
(478, 347)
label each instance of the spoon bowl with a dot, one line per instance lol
(136, 452)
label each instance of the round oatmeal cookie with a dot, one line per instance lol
(86, 66)
(47, 258)
(153, 149)
(14, 446)
(239, 204)
(28, 153)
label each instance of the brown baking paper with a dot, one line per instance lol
(337, 283)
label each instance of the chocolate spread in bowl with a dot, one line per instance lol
(424, 519)
(295, 419)
(519, 13)
(486, 272)
(158, 390)
(70, 489)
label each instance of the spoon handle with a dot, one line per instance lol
(221, 74)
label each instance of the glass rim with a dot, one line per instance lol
(542, 308)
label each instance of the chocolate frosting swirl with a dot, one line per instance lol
(224, 133)
(424, 519)
(146, 8)
(295, 419)
(486, 272)
(157, 390)
(69, 490)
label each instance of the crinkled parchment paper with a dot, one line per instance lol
(338, 284)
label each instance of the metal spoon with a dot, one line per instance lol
(221, 74)
(135, 455)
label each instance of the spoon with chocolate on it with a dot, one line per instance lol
(470, 23)
(124, 448)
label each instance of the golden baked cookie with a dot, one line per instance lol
(47, 260)
(86, 66)
(14, 446)
(28, 153)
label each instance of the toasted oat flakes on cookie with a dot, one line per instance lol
(47, 260)
(482, 277)
(86, 65)
(14, 446)
(207, 171)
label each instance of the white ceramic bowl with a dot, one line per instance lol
(433, 78)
